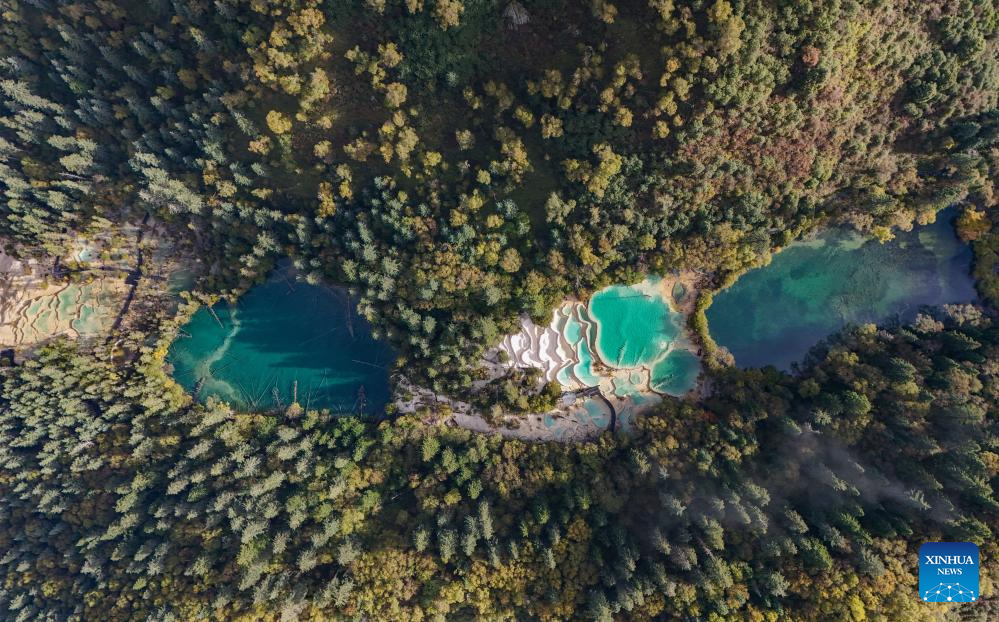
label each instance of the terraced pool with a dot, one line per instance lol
(627, 340)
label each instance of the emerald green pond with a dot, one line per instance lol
(634, 328)
(284, 339)
(773, 315)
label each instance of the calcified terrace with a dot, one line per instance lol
(628, 342)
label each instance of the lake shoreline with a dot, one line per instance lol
(832, 278)
(293, 343)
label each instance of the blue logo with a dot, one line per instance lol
(948, 572)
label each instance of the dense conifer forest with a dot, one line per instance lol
(456, 163)
(783, 497)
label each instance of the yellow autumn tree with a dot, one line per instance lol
(278, 122)
(448, 13)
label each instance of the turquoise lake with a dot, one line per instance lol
(773, 315)
(284, 340)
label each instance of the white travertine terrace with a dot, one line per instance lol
(564, 350)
